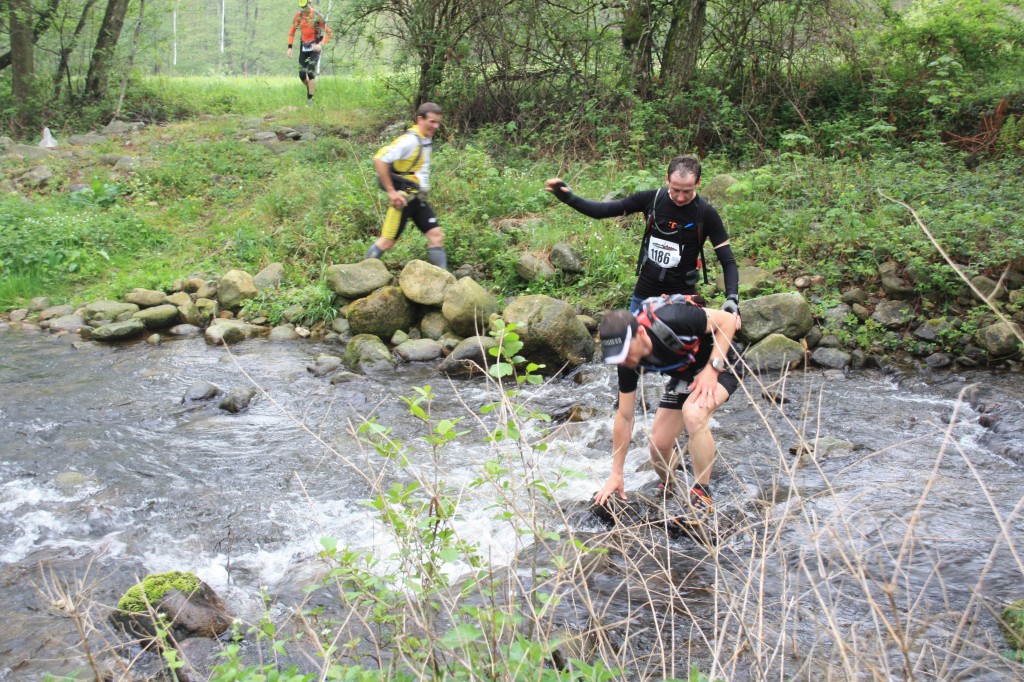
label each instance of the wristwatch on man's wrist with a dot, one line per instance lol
(717, 364)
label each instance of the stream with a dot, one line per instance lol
(905, 514)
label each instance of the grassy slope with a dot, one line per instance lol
(212, 200)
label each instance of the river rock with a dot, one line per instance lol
(39, 304)
(341, 326)
(183, 330)
(425, 283)
(193, 315)
(855, 295)
(774, 353)
(835, 317)
(433, 325)
(67, 323)
(382, 313)
(269, 277)
(237, 399)
(324, 364)
(178, 298)
(145, 298)
(830, 358)
(399, 338)
(235, 287)
(717, 189)
(284, 332)
(357, 280)
(468, 307)
(118, 331)
(891, 314)
(201, 390)
(419, 350)
(86, 139)
(989, 288)
(786, 314)
(934, 330)
(469, 356)
(118, 128)
(752, 280)
(939, 360)
(158, 317)
(532, 267)
(550, 331)
(898, 288)
(110, 311)
(222, 331)
(40, 176)
(999, 339)
(565, 258)
(367, 354)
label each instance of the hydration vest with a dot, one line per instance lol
(649, 228)
(682, 345)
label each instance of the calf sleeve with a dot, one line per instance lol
(437, 256)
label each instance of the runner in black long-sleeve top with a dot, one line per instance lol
(674, 215)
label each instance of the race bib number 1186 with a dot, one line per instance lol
(665, 253)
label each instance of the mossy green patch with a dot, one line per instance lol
(155, 586)
(1013, 626)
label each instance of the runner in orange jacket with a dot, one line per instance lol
(314, 34)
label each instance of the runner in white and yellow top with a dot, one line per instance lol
(403, 170)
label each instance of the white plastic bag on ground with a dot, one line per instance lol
(48, 141)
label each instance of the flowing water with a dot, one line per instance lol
(106, 473)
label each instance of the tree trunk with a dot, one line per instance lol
(22, 53)
(637, 45)
(683, 43)
(63, 70)
(103, 53)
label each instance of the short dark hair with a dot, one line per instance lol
(614, 323)
(685, 165)
(428, 108)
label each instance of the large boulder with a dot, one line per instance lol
(468, 307)
(367, 354)
(550, 331)
(356, 280)
(999, 339)
(158, 317)
(382, 313)
(774, 353)
(786, 314)
(425, 283)
(235, 287)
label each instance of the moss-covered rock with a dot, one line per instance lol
(155, 586)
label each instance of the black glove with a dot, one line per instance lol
(562, 192)
(732, 304)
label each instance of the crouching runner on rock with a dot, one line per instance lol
(692, 346)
